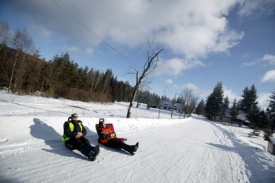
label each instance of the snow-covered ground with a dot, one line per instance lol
(171, 150)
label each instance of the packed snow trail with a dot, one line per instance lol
(177, 147)
(190, 151)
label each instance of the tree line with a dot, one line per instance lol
(23, 71)
(217, 105)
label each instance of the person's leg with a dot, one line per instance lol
(117, 143)
(76, 143)
(90, 151)
(130, 148)
(85, 150)
(84, 140)
(93, 152)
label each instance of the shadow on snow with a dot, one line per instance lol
(251, 156)
(41, 130)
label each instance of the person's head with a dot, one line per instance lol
(102, 122)
(74, 117)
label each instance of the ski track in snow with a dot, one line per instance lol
(209, 143)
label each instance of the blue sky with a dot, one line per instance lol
(204, 42)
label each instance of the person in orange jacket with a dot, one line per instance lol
(108, 138)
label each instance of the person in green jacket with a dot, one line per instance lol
(74, 138)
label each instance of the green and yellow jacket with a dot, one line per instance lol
(71, 128)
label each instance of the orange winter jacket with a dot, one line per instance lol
(105, 134)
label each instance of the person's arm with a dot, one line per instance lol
(84, 131)
(112, 134)
(103, 135)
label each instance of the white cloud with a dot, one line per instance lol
(247, 55)
(231, 95)
(256, 7)
(197, 91)
(269, 76)
(175, 66)
(250, 63)
(89, 51)
(263, 100)
(169, 81)
(269, 58)
(192, 29)
(192, 87)
(248, 6)
(41, 33)
(70, 49)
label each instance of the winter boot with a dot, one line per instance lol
(136, 147)
(94, 152)
(129, 149)
(133, 149)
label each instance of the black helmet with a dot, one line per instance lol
(101, 120)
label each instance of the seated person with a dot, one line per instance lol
(74, 138)
(109, 139)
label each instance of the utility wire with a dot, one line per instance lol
(93, 32)
(100, 38)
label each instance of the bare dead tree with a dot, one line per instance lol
(189, 101)
(148, 69)
(140, 95)
(98, 78)
(192, 105)
(23, 44)
(105, 84)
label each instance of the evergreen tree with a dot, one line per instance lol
(253, 97)
(253, 111)
(263, 121)
(268, 131)
(234, 111)
(200, 108)
(214, 102)
(248, 101)
(225, 106)
(84, 82)
(271, 111)
(244, 103)
(208, 110)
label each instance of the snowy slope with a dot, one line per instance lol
(171, 150)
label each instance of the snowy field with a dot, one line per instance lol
(171, 150)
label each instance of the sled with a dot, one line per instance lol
(111, 126)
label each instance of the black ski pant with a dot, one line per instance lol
(117, 143)
(78, 143)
